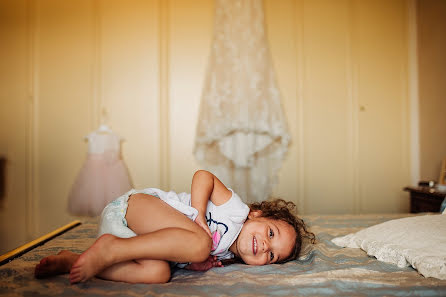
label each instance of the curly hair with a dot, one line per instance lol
(279, 209)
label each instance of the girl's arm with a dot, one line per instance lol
(205, 187)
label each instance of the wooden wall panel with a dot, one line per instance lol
(283, 19)
(14, 100)
(339, 66)
(62, 114)
(326, 108)
(129, 59)
(431, 17)
(190, 36)
(382, 90)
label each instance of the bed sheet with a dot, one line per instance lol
(324, 270)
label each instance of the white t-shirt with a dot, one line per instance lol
(225, 221)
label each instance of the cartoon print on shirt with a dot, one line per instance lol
(221, 229)
(216, 236)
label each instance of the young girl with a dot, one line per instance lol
(142, 234)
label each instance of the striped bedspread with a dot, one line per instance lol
(324, 270)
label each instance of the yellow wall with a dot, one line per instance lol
(14, 123)
(342, 68)
(432, 86)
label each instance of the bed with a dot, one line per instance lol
(324, 270)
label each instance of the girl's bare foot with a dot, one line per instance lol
(55, 264)
(93, 260)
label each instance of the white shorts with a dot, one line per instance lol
(113, 218)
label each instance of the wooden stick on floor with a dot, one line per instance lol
(9, 256)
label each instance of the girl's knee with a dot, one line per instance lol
(163, 274)
(156, 272)
(204, 246)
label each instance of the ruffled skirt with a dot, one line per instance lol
(102, 179)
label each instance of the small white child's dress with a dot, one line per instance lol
(102, 178)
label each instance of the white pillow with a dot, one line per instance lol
(418, 241)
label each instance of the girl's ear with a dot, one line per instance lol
(254, 214)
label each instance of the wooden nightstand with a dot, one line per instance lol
(425, 199)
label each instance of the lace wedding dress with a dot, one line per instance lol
(241, 132)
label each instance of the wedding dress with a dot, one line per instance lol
(242, 135)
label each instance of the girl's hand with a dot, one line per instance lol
(201, 221)
(206, 265)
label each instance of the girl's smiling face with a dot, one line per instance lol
(264, 241)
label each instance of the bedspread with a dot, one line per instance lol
(324, 270)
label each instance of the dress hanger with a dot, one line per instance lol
(104, 129)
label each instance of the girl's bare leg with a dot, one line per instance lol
(166, 234)
(138, 271)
